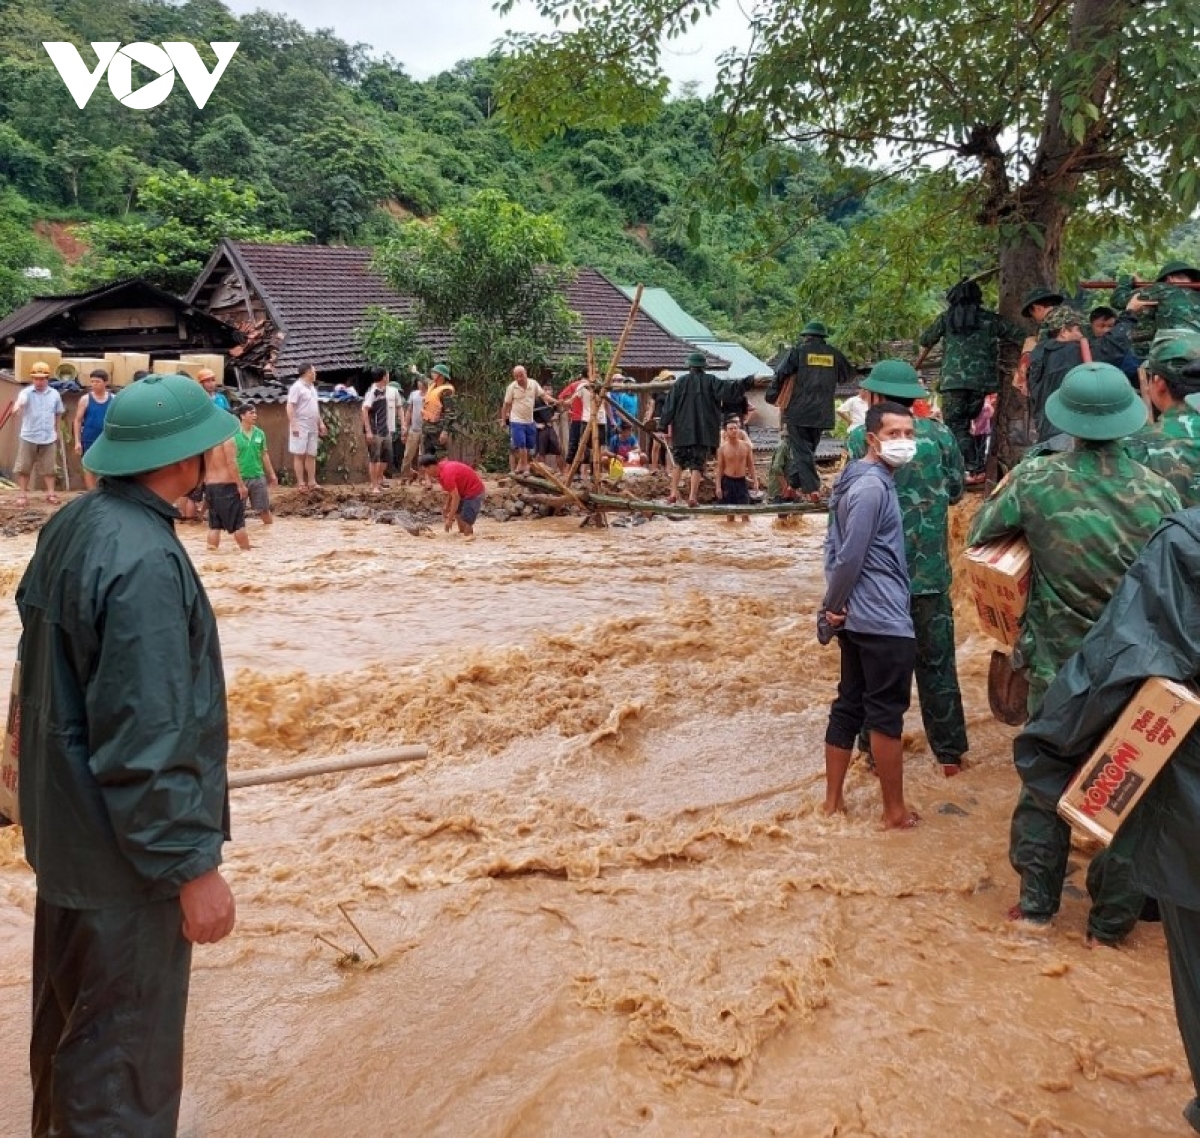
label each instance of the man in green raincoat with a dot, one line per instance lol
(124, 736)
(1150, 628)
(1086, 515)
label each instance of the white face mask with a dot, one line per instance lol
(898, 452)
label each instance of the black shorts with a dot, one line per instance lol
(379, 449)
(735, 491)
(226, 509)
(547, 441)
(692, 457)
(875, 688)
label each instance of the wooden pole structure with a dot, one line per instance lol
(625, 333)
(332, 765)
(590, 499)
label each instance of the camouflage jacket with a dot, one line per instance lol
(1086, 515)
(1177, 307)
(1171, 452)
(971, 360)
(926, 487)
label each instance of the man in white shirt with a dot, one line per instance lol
(517, 414)
(413, 414)
(305, 429)
(853, 411)
(39, 410)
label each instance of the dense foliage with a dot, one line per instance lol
(308, 134)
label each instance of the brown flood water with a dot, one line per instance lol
(607, 904)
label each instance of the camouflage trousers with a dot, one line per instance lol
(431, 443)
(959, 409)
(936, 674)
(1039, 849)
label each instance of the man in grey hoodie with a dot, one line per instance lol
(867, 606)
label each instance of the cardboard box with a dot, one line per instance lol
(25, 358)
(166, 367)
(122, 365)
(1108, 786)
(215, 362)
(84, 366)
(999, 574)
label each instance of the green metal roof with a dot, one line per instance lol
(663, 307)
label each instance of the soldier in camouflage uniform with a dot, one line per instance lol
(1086, 515)
(926, 488)
(1163, 305)
(1171, 447)
(815, 368)
(439, 412)
(970, 364)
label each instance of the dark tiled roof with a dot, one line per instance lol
(605, 308)
(317, 296)
(42, 309)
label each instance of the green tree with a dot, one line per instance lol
(181, 219)
(1039, 110)
(491, 273)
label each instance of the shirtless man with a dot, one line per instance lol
(736, 475)
(225, 491)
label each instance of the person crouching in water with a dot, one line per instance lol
(464, 492)
(866, 607)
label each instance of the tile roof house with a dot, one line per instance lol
(298, 304)
(126, 316)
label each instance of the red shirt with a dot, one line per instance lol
(576, 406)
(459, 476)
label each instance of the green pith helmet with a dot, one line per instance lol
(441, 369)
(1171, 268)
(896, 379)
(1064, 316)
(814, 328)
(1040, 295)
(1096, 402)
(1172, 351)
(696, 359)
(151, 424)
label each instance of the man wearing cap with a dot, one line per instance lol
(804, 389)
(438, 411)
(691, 417)
(1177, 305)
(208, 380)
(124, 736)
(1149, 628)
(926, 488)
(1171, 447)
(39, 410)
(970, 364)
(1086, 514)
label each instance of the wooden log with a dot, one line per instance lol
(648, 506)
(331, 765)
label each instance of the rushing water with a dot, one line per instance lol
(607, 903)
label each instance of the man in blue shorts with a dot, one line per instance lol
(520, 399)
(464, 492)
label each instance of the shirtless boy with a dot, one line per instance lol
(736, 475)
(225, 491)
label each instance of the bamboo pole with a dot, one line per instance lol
(647, 506)
(331, 765)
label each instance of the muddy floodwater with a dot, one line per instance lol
(607, 903)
